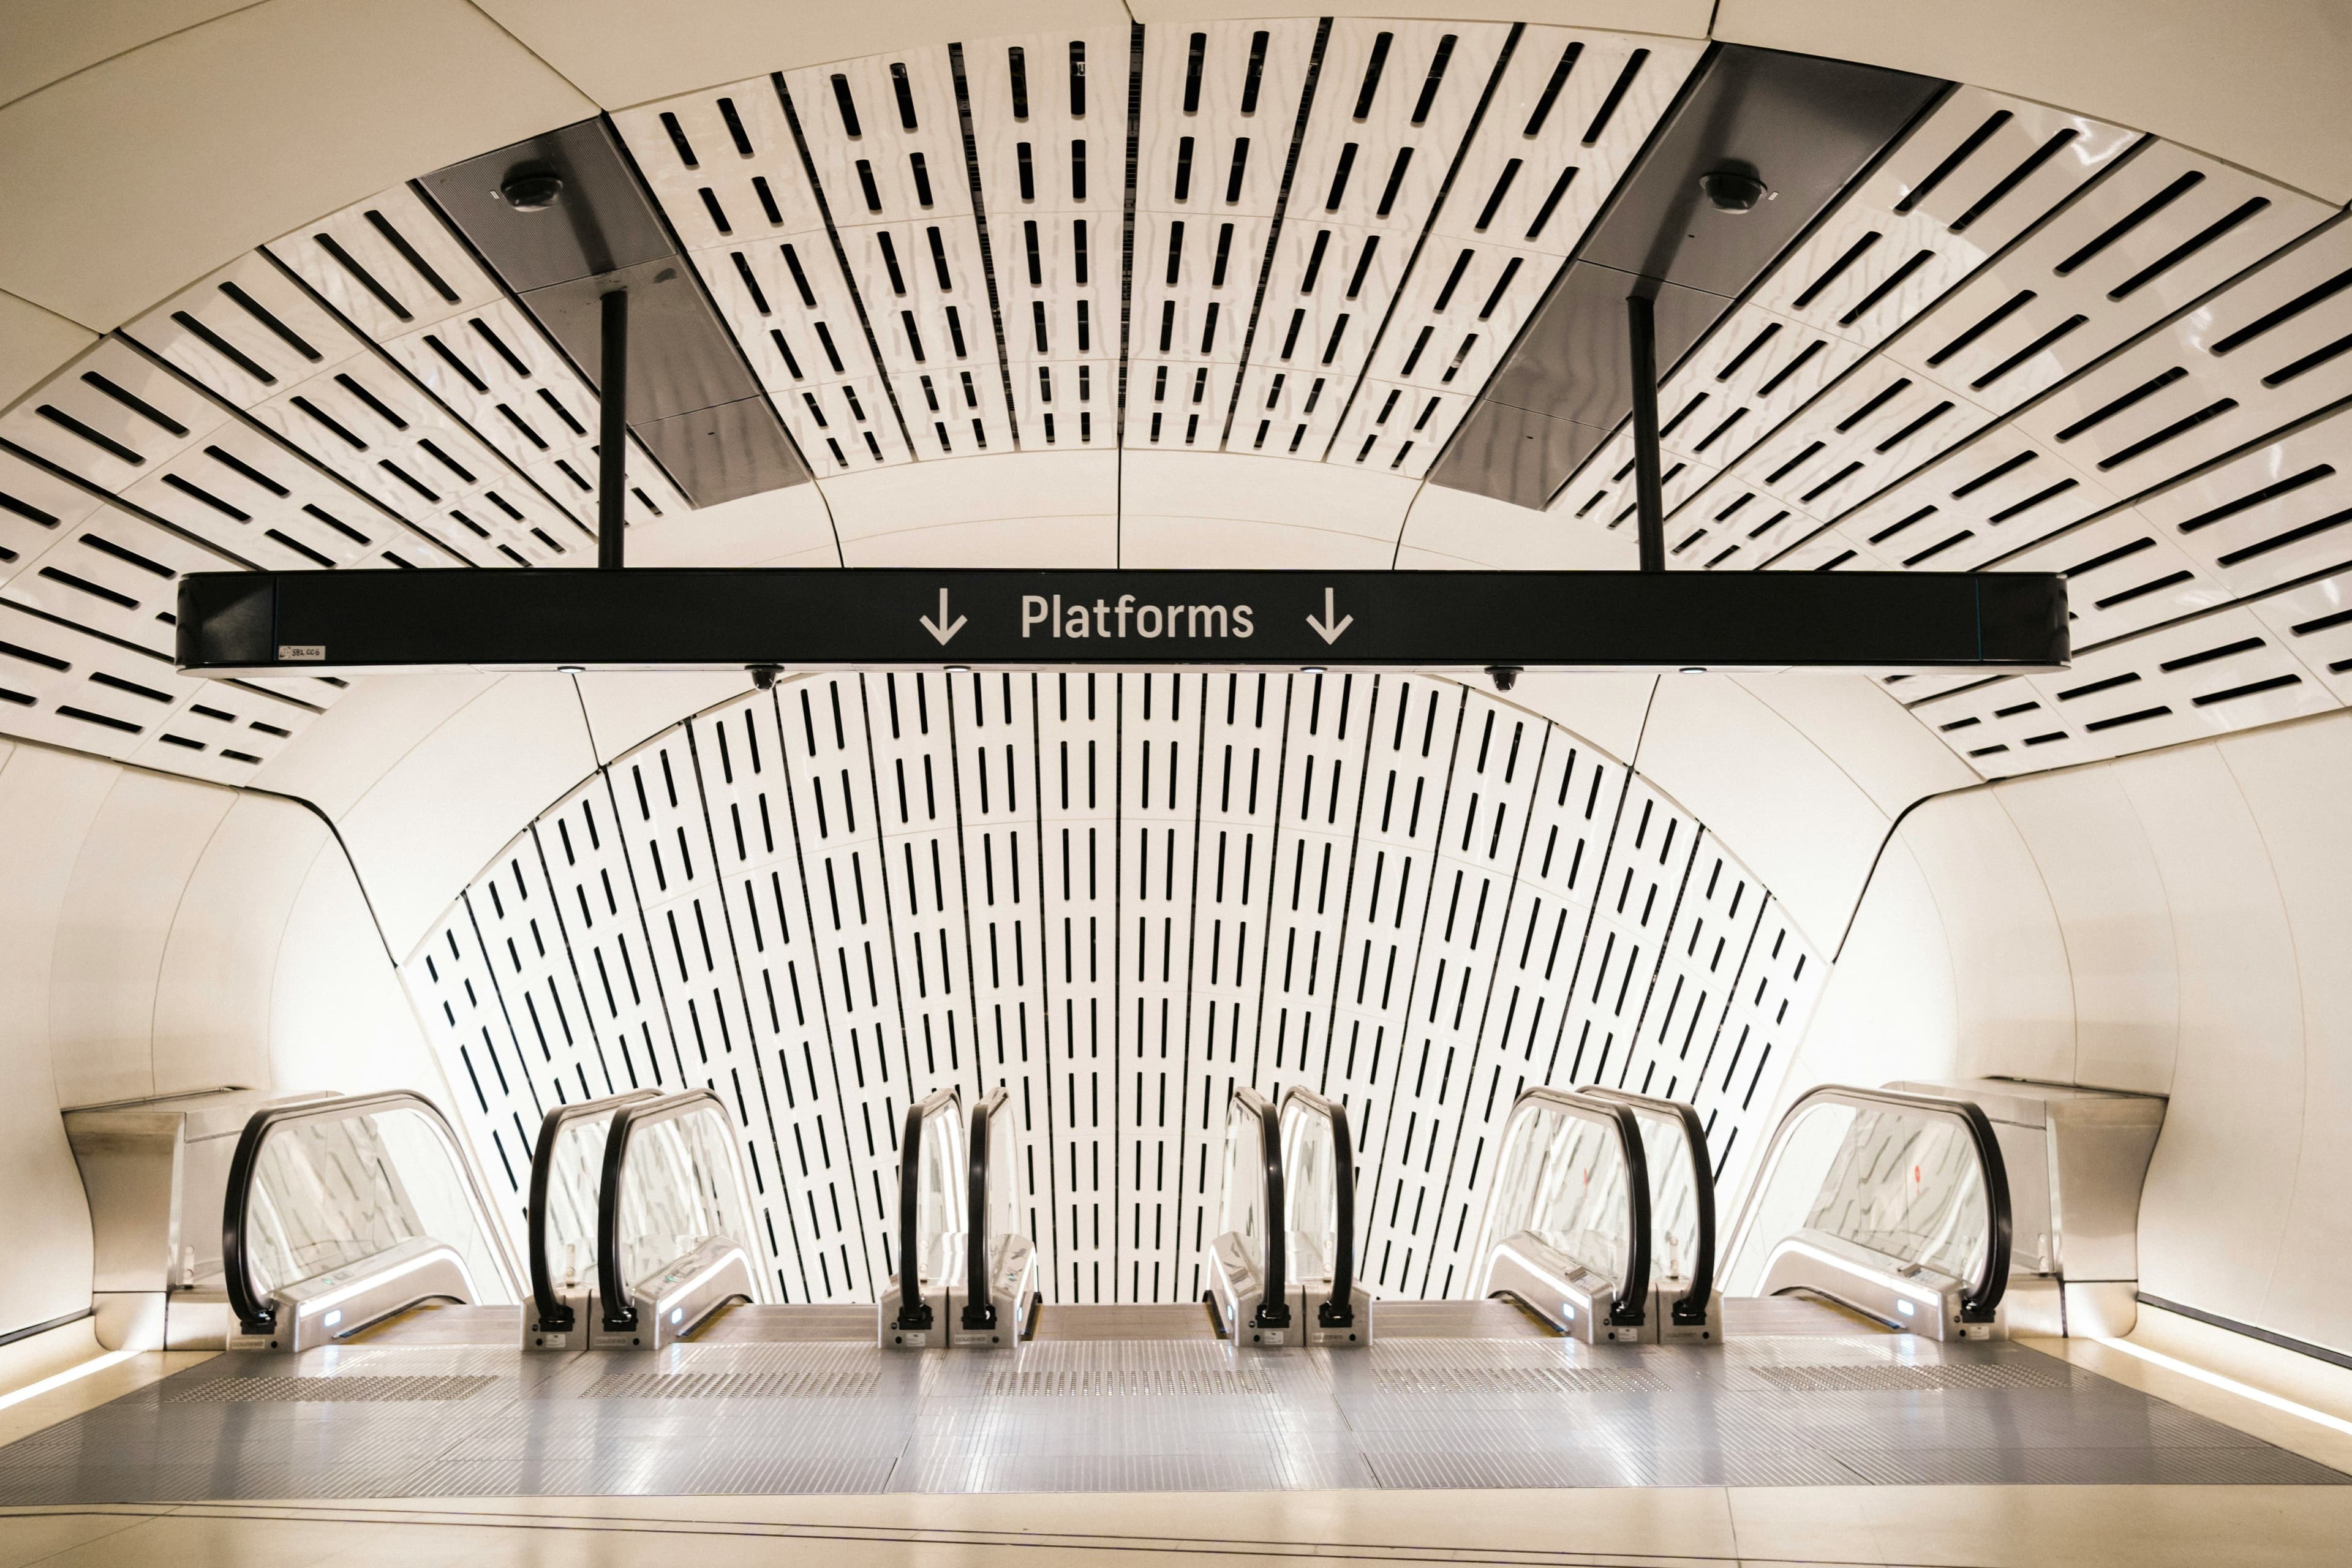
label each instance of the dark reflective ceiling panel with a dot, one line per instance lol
(692, 400)
(601, 221)
(1805, 126)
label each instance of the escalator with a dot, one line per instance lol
(359, 1215)
(1685, 1305)
(1568, 1227)
(675, 1223)
(1282, 1268)
(967, 1275)
(1893, 1205)
(567, 1176)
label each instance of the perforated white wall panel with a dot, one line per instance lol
(1116, 896)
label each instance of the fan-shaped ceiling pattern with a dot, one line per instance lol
(2023, 339)
(1117, 896)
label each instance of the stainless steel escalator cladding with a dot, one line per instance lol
(1319, 1181)
(1000, 1267)
(1684, 1303)
(567, 1170)
(1894, 1204)
(1567, 1231)
(676, 1232)
(916, 1308)
(1249, 1275)
(343, 1211)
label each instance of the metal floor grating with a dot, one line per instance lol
(1094, 1414)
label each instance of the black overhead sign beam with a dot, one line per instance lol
(320, 622)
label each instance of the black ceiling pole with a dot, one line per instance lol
(612, 433)
(1642, 333)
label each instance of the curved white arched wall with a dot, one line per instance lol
(2175, 923)
(159, 936)
(709, 906)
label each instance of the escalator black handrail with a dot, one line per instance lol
(914, 1313)
(1274, 1299)
(1691, 1308)
(1631, 1302)
(553, 1313)
(980, 1306)
(1340, 1311)
(255, 1315)
(612, 1286)
(1984, 1294)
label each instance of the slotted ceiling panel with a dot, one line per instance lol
(1413, 727)
(2194, 679)
(1220, 108)
(1565, 121)
(996, 784)
(727, 170)
(801, 1174)
(1378, 888)
(1975, 174)
(2160, 229)
(87, 596)
(1392, 106)
(389, 267)
(1049, 126)
(884, 134)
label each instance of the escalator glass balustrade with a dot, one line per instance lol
(1282, 1267)
(1249, 1273)
(342, 1212)
(567, 1176)
(1894, 1204)
(934, 1224)
(1685, 1305)
(1000, 1260)
(967, 1268)
(675, 1224)
(1331, 1306)
(1568, 1227)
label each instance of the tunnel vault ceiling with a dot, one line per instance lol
(2022, 339)
(1117, 896)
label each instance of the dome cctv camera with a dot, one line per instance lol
(531, 190)
(1734, 189)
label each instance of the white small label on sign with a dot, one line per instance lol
(304, 652)
(1274, 1336)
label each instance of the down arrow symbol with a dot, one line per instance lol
(1330, 627)
(943, 630)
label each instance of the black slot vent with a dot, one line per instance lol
(1953, 160)
(1617, 91)
(2015, 177)
(1551, 89)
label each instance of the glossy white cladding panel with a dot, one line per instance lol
(159, 936)
(2173, 923)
